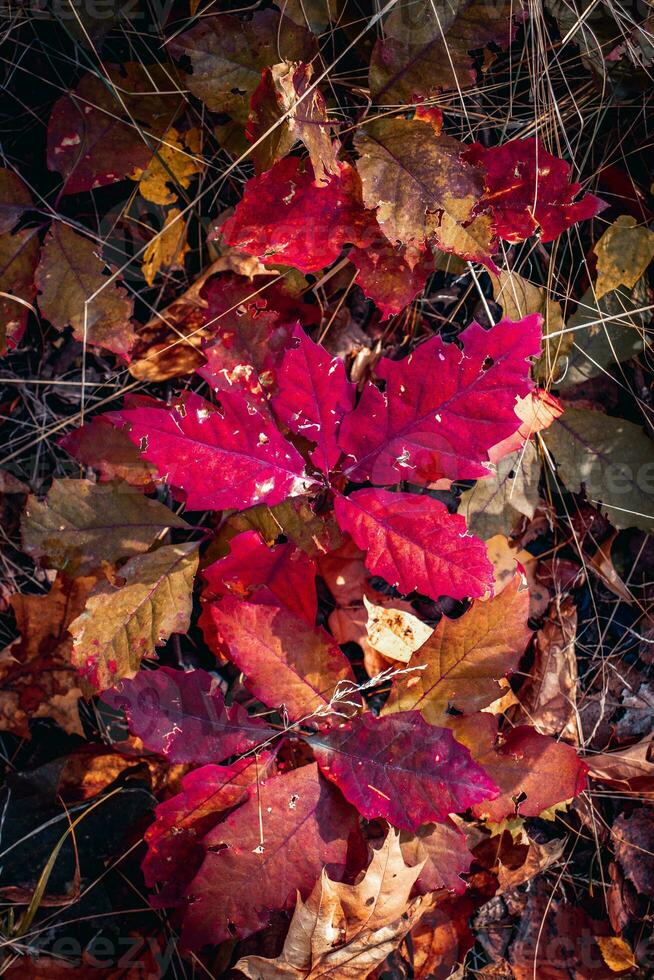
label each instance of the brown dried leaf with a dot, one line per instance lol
(344, 931)
(623, 253)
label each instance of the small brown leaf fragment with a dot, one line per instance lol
(548, 696)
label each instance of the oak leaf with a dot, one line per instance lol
(533, 771)
(175, 163)
(183, 715)
(345, 931)
(174, 840)
(217, 458)
(443, 408)
(415, 544)
(284, 661)
(313, 397)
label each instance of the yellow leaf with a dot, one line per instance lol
(167, 249)
(123, 623)
(616, 953)
(173, 163)
(623, 253)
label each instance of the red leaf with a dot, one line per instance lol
(525, 762)
(444, 850)
(391, 277)
(402, 769)
(286, 572)
(284, 662)
(110, 452)
(527, 188)
(235, 457)
(261, 855)
(175, 849)
(249, 338)
(314, 396)
(94, 136)
(184, 717)
(443, 409)
(415, 544)
(284, 217)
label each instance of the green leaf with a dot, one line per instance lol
(81, 524)
(612, 458)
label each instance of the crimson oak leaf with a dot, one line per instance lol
(313, 397)
(528, 189)
(174, 840)
(443, 408)
(284, 217)
(284, 662)
(283, 575)
(263, 853)
(415, 544)
(402, 769)
(183, 715)
(234, 457)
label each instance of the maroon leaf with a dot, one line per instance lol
(527, 189)
(234, 457)
(175, 849)
(110, 452)
(282, 575)
(533, 771)
(313, 397)
(183, 716)
(391, 276)
(415, 544)
(284, 662)
(260, 856)
(284, 217)
(402, 769)
(443, 408)
(97, 134)
(444, 850)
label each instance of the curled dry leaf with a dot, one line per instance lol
(548, 696)
(346, 930)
